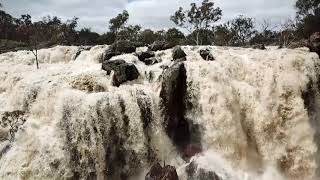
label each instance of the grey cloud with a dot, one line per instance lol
(148, 13)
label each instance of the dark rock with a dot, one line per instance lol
(160, 45)
(111, 65)
(181, 59)
(144, 55)
(77, 54)
(118, 48)
(314, 43)
(110, 53)
(178, 53)
(168, 45)
(162, 173)
(206, 55)
(151, 61)
(173, 105)
(123, 47)
(123, 71)
(164, 67)
(82, 48)
(169, 173)
(155, 172)
(196, 172)
(259, 46)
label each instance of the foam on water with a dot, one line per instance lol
(257, 112)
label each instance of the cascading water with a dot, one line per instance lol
(250, 115)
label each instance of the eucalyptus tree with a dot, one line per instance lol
(197, 18)
(117, 23)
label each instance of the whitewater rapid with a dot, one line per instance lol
(253, 112)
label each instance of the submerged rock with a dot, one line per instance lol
(87, 83)
(151, 61)
(206, 55)
(259, 46)
(157, 172)
(178, 53)
(82, 48)
(195, 172)
(123, 71)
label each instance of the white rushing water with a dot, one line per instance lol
(255, 114)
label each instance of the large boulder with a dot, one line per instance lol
(157, 172)
(178, 53)
(145, 55)
(118, 48)
(111, 65)
(110, 53)
(151, 61)
(173, 106)
(206, 55)
(123, 71)
(160, 45)
(314, 43)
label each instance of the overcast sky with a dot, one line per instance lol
(148, 13)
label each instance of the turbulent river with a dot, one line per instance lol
(251, 115)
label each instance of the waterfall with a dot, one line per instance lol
(248, 115)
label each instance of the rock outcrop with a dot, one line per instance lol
(206, 55)
(123, 46)
(173, 106)
(151, 61)
(157, 172)
(178, 53)
(146, 57)
(118, 48)
(123, 71)
(110, 53)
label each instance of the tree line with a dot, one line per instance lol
(201, 21)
